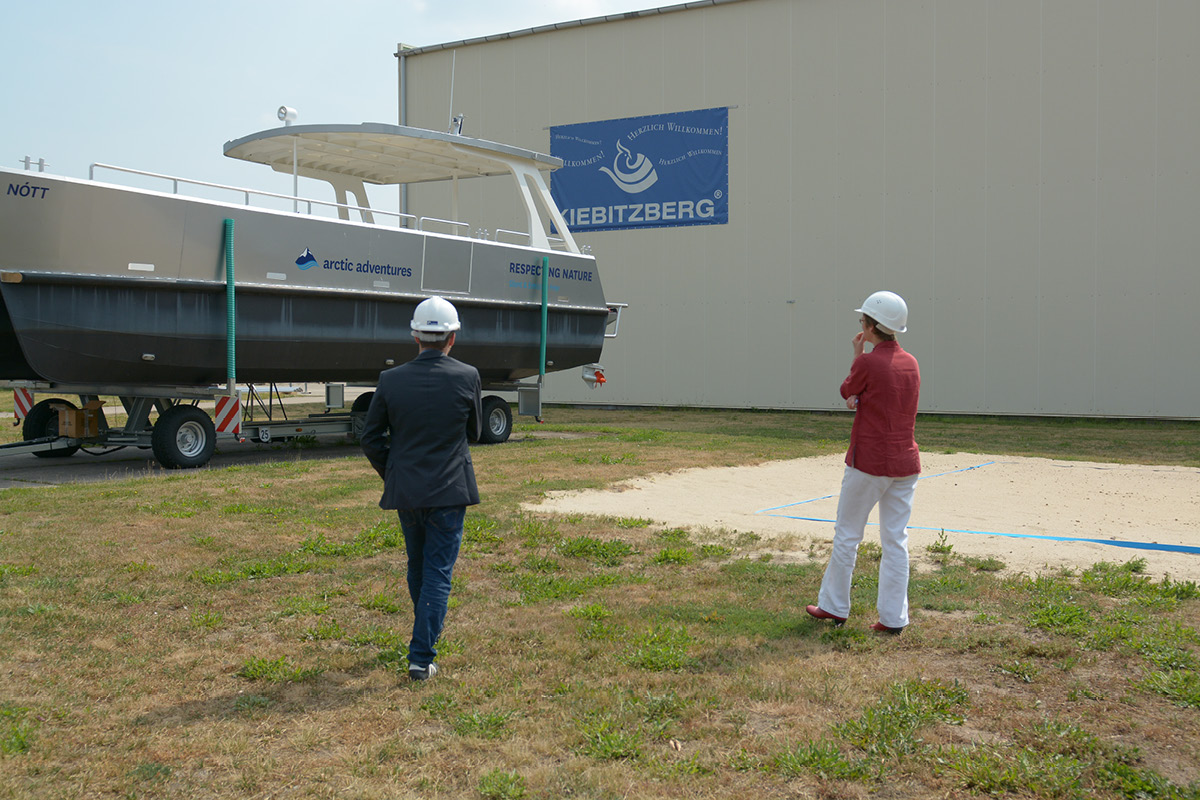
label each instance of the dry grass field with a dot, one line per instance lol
(240, 633)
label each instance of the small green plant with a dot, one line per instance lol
(633, 522)
(383, 602)
(675, 535)
(715, 551)
(674, 555)
(540, 564)
(940, 549)
(1180, 686)
(1023, 671)
(594, 611)
(606, 553)
(889, 727)
(501, 785)
(482, 724)
(536, 587)
(661, 649)
(150, 772)
(303, 606)
(276, 670)
(324, 631)
(16, 732)
(822, 759)
(607, 740)
(249, 703)
(207, 620)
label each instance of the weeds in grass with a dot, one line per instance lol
(16, 731)
(940, 549)
(538, 588)
(323, 632)
(606, 739)
(275, 670)
(889, 728)
(822, 759)
(501, 785)
(608, 553)
(661, 649)
(1181, 686)
(482, 724)
(674, 555)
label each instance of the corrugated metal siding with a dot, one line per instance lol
(1025, 173)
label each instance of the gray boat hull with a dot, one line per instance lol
(104, 284)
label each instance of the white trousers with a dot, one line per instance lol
(860, 493)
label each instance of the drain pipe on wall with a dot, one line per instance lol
(402, 58)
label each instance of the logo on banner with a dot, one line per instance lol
(640, 175)
(663, 170)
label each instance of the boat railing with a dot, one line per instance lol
(401, 218)
(556, 242)
(448, 222)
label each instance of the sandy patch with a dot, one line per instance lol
(1033, 514)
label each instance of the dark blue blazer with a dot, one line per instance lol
(426, 406)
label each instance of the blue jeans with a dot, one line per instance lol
(431, 538)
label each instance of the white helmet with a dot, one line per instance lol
(888, 309)
(434, 316)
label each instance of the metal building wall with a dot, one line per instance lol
(1024, 172)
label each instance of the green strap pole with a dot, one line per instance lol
(545, 317)
(230, 309)
(545, 314)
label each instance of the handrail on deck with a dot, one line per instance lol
(421, 222)
(528, 236)
(246, 193)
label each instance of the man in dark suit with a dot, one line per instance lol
(416, 439)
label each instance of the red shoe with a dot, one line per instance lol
(820, 613)
(881, 628)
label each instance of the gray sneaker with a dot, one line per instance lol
(422, 673)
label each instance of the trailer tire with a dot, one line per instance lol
(497, 420)
(183, 438)
(42, 421)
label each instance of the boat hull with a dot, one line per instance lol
(107, 285)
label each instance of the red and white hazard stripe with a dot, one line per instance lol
(229, 415)
(22, 402)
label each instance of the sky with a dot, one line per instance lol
(161, 86)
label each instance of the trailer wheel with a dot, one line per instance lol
(497, 420)
(358, 414)
(183, 438)
(42, 421)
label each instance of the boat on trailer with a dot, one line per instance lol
(158, 297)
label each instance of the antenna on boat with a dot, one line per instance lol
(456, 120)
(288, 115)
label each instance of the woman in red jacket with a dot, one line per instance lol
(882, 464)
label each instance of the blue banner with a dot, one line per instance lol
(664, 170)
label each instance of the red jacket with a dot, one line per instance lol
(887, 381)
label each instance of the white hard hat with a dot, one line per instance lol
(888, 309)
(435, 315)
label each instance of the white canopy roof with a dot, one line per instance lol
(382, 154)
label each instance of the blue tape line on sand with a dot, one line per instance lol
(1169, 548)
(826, 497)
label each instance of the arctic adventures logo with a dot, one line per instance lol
(307, 261)
(675, 166)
